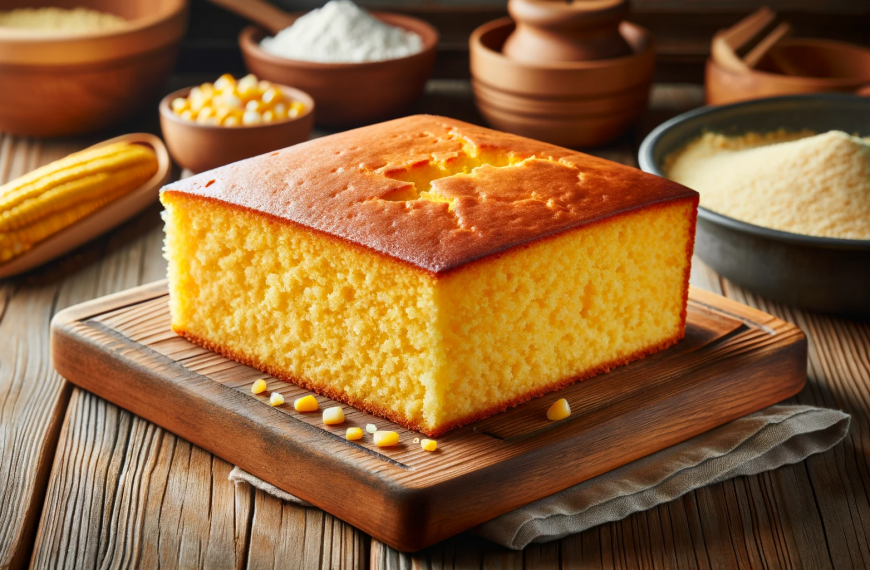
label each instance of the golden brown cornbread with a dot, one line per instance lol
(428, 270)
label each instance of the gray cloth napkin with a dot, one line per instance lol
(770, 438)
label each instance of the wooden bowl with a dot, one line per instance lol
(109, 216)
(815, 65)
(576, 104)
(69, 84)
(203, 147)
(350, 93)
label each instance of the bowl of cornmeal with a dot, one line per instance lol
(785, 194)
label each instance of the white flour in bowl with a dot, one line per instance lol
(341, 32)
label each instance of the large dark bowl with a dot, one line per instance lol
(822, 274)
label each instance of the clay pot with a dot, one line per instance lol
(59, 85)
(574, 104)
(203, 147)
(548, 31)
(350, 93)
(813, 65)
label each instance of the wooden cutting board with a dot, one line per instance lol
(733, 361)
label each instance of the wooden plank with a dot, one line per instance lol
(734, 360)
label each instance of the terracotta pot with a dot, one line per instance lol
(62, 85)
(815, 66)
(203, 147)
(350, 93)
(548, 31)
(575, 104)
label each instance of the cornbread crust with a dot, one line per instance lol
(350, 186)
(384, 412)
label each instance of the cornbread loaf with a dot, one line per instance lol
(427, 270)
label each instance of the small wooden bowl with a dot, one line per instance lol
(817, 66)
(350, 93)
(69, 84)
(203, 147)
(111, 215)
(576, 104)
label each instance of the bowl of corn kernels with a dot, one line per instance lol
(214, 124)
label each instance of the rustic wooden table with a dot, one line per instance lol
(84, 483)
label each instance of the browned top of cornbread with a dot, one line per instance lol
(348, 185)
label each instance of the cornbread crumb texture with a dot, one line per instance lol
(431, 191)
(428, 352)
(809, 184)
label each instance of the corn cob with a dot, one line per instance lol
(57, 195)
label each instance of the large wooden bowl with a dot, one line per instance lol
(575, 104)
(203, 147)
(815, 66)
(68, 84)
(350, 93)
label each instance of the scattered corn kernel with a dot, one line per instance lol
(259, 386)
(386, 438)
(276, 399)
(416, 440)
(306, 404)
(232, 103)
(559, 410)
(429, 445)
(354, 434)
(333, 416)
(371, 428)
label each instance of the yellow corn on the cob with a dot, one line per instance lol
(55, 196)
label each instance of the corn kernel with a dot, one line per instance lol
(416, 440)
(354, 434)
(187, 115)
(371, 428)
(280, 111)
(271, 96)
(224, 81)
(247, 86)
(333, 416)
(179, 104)
(386, 438)
(268, 117)
(263, 85)
(429, 445)
(559, 410)
(276, 399)
(230, 121)
(254, 105)
(306, 404)
(251, 118)
(259, 386)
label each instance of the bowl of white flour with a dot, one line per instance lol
(359, 66)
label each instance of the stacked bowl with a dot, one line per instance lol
(574, 104)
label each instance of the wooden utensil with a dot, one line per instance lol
(104, 219)
(727, 43)
(733, 361)
(265, 15)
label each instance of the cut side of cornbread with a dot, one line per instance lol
(427, 270)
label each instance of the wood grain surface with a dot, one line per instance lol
(734, 360)
(812, 515)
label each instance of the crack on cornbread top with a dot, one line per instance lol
(430, 191)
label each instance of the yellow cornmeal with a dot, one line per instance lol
(60, 20)
(795, 182)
